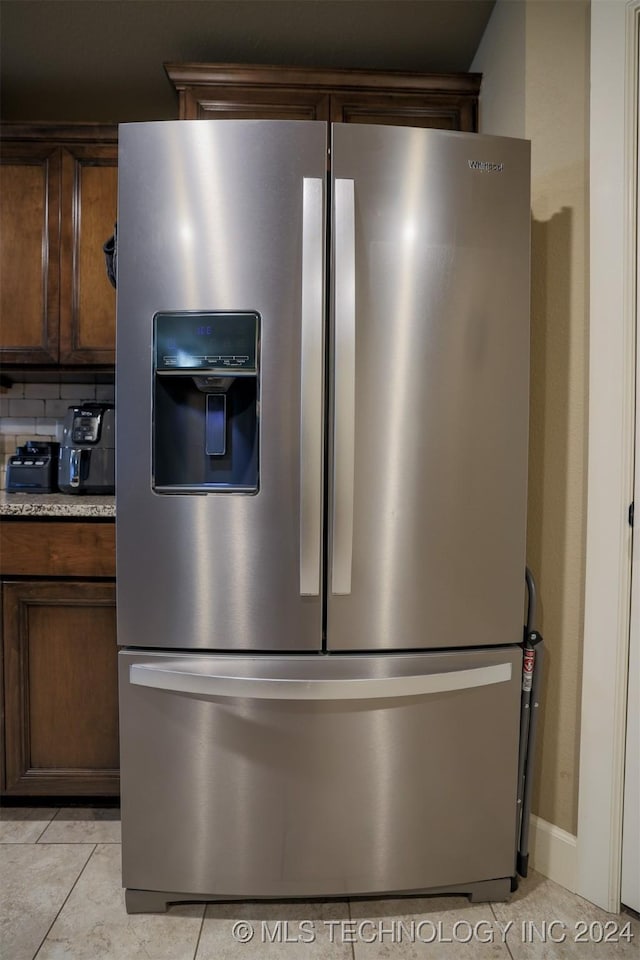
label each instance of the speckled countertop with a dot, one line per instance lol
(57, 505)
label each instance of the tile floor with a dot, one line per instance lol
(60, 897)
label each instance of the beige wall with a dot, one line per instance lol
(535, 57)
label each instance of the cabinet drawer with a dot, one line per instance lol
(57, 549)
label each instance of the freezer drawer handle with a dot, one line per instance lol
(311, 370)
(344, 416)
(181, 678)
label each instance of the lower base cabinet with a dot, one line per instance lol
(60, 688)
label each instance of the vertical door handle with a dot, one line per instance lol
(311, 374)
(344, 412)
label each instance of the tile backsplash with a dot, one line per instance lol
(32, 410)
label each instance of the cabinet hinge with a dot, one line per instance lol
(631, 513)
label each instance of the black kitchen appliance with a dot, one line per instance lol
(87, 455)
(33, 468)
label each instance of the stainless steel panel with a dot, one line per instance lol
(211, 218)
(442, 226)
(257, 798)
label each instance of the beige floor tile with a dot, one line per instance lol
(433, 927)
(34, 881)
(549, 923)
(293, 931)
(94, 924)
(84, 825)
(37, 878)
(24, 824)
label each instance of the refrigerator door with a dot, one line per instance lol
(430, 332)
(314, 776)
(221, 216)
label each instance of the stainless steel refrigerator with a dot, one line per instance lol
(322, 394)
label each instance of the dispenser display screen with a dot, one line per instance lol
(218, 341)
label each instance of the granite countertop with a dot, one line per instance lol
(57, 505)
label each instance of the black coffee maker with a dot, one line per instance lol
(87, 453)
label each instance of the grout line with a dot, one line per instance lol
(44, 830)
(197, 947)
(58, 811)
(506, 942)
(74, 843)
(353, 946)
(48, 825)
(73, 886)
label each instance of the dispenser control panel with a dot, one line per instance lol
(206, 402)
(224, 341)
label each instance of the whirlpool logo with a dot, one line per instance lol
(486, 166)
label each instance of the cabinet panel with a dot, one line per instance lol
(448, 101)
(443, 113)
(60, 678)
(59, 187)
(29, 251)
(42, 548)
(230, 103)
(87, 299)
(70, 645)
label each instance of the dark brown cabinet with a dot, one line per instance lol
(59, 657)
(448, 101)
(59, 189)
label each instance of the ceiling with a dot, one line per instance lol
(101, 60)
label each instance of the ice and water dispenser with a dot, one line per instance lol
(206, 402)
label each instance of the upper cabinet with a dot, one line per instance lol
(208, 91)
(59, 190)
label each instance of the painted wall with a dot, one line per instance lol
(535, 57)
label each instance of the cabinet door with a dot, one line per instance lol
(252, 103)
(29, 252)
(448, 101)
(88, 214)
(60, 687)
(445, 112)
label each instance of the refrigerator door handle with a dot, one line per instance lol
(311, 372)
(344, 390)
(184, 677)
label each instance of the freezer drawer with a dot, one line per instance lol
(318, 775)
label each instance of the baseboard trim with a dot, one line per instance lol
(553, 852)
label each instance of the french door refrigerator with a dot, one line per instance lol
(322, 393)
